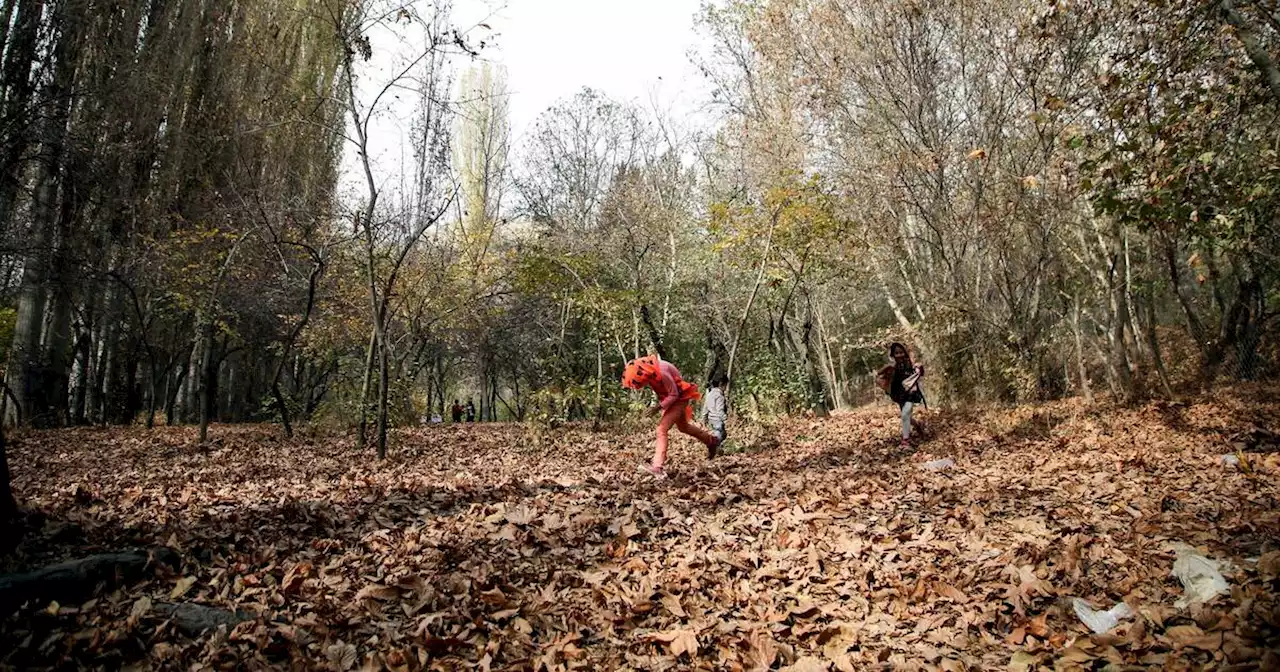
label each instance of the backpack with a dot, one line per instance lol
(884, 379)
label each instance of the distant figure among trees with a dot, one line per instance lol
(471, 410)
(901, 381)
(456, 411)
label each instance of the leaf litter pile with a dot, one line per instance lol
(821, 546)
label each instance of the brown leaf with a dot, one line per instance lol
(1190, 636)
(521, 515)
(1269, 565)
(836, 640)
(342, 656)
(1076, 654)
(184, 584)
(397, 661)
(672, 603)
(808, 664)
(1038, 626)
(371, 663)
(1022, 661)
(141, 607)
(678, 641)
(843, 663)
(951, 592)
(504, 614)
(295, 576)
(761, 651)
(377, 591)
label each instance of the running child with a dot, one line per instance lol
(715, 409)
(674, 397)
(901, 381)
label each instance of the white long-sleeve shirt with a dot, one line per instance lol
(715, 409)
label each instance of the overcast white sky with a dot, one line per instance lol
(632, 50)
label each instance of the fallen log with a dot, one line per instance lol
(195, 619)
(76, 581)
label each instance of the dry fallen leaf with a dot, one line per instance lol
(141, 607)
(761, 650)
(1269, 565)
(376, 591)
(949, 591)
(342, 656)
(678, 641)
(808, 664)
(472, 550)
(294, 577)
(672, 603)
(184, 584)
(521, 515)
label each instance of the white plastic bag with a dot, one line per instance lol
(1101, 622)
(939, 465)
(1229, 460)
(1200, 577)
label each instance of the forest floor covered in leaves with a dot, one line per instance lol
(822, 546)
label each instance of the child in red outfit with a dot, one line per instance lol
(674, 397)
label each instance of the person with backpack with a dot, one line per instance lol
(901, 381)
(674, 396)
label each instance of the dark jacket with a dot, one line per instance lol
(897, 392)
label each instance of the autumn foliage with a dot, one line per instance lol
(476, 547)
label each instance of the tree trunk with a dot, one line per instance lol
(1250, 332)
(1257, 52)
(714, 361)
(31, 366)
(153, 388)
(1120, 318)
(654, 336)
(58, 348)
(80, 375)
(384, 396)
(818, 392)
(208, 376)
(84, 357)
(1083, 370)
(189, 406)
(21, 56)
(25, 366)
(177, 381)
(104, 353)
(8, 505)
(364, 389)
(1153, 340)
(599, 415)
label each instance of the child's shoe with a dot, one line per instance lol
(905, 444)
(656, 472)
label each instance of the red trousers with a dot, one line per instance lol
(677, 415)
